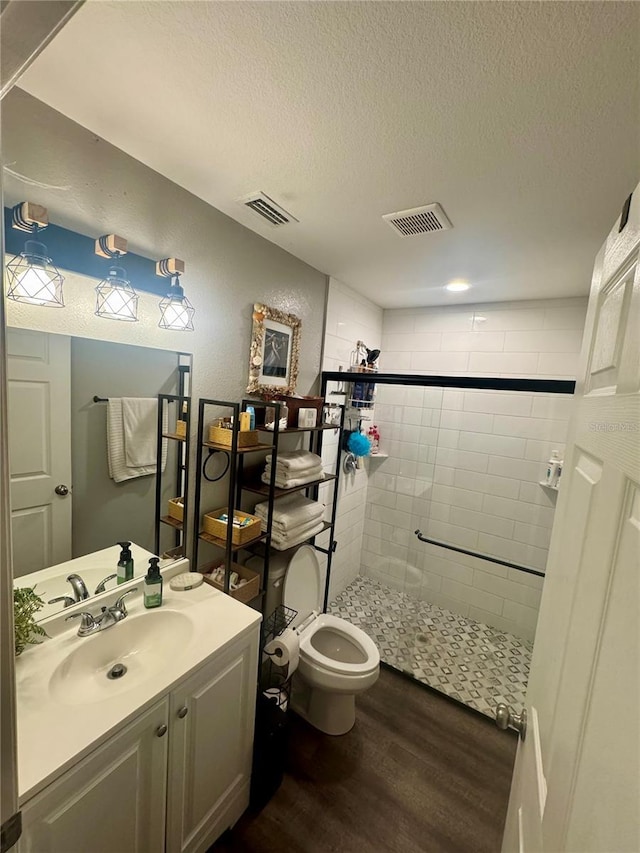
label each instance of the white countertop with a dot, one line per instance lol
(53, 736)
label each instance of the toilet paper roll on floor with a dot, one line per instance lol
(285, 650)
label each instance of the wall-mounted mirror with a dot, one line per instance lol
(66, 501)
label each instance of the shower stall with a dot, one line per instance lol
(457, 525)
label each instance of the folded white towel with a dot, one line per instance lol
(296, 460)
(293, 483)
(140, 422)
(116, 460)
(283, 474)
(290, 512)
(282, 543)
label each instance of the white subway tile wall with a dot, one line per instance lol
(539, 338)
(474, 467)
(350, 317)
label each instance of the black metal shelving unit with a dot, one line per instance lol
(182, 465)
(239, 483)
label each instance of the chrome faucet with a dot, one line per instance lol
(79, 587)
(109, 616)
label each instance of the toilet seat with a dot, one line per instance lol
(354, 634)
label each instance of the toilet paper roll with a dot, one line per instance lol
(285, 650)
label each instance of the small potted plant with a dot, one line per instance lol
(26, 603)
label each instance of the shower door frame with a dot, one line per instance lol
(469, 383)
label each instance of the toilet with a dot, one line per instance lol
(337, 659)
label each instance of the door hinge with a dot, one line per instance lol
(10, 832)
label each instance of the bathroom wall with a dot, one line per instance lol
(538, 338)
(349, 317)
(464, 466)
(94, 188)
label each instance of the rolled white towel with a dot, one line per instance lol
(296, 460)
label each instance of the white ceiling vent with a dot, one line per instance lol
(419, 220)
(267, 208)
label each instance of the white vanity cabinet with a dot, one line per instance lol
(112, 801)
(210, 750)
(171, 781)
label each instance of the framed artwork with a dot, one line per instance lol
(275, 345)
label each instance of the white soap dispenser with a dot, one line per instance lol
(554, 467)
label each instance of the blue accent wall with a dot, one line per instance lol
(75, 252)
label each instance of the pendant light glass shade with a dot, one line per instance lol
(32, 278)
(176, 312)
(116, 299)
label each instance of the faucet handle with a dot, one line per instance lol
(119, 604)
(101, 586)
(88, 622)
(68, 600)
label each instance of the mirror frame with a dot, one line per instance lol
(267, 319)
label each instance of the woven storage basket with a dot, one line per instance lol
(175, 509)
(240, 535)
(218, 435)
(244, 593)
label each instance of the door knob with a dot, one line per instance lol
(161, 730)
(182, 713)
(62, 490)
(505, 718)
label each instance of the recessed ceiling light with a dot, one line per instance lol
(457, 286)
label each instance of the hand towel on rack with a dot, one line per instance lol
(282, 543)
(140, 422)
(296, 460)
(292, 483)
(116, 460)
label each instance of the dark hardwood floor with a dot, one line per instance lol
(417, 773)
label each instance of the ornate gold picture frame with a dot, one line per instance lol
(275, 347)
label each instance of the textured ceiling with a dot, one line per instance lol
(521, 119)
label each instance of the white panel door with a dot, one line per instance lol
(576, 784)
(39, 372)
(113, 801)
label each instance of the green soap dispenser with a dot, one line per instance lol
(125, 563)
(153, 584)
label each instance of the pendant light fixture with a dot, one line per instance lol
(176, 312)
(31, 276)
(116, 299)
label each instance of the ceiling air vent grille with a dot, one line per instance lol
(267, 208)
(419, 220)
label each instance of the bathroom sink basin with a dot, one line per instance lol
(137, 647)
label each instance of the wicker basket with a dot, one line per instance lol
(240, 535)
(244, 593)
(219, 435)
(175, 509)
(181, 429)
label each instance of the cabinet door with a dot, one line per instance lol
(112, 800)
(212, 718)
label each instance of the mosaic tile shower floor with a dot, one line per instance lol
(465, 659)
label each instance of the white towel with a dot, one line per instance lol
(282, 543)
(140, 422)
(283, 474)
(290, 512)
(281, 483)
(296, 460)
(118, 469)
